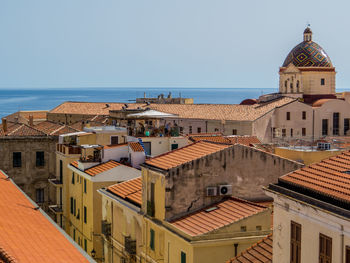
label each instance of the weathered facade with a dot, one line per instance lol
(231, 165)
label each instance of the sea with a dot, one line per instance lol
(12, 100)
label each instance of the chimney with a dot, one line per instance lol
(31, 120)
(4, 124)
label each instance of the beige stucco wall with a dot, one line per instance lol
(160, 145)
(313, 222)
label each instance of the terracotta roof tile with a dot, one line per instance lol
(52, 128)
(26, 234)
(216, 216)
(330, 177)
(185, 154)
(186, 111)
(22, 130)
(100, 168)
(130, 190)
(23, 116)
(136, 147)
(245, 140)
(260, 252)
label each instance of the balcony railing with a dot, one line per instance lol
(68, 149)
(56, 182)
(57, 209)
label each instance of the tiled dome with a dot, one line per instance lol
(308, 54)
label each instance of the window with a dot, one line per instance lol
(183, 257)
(85, 186)
(284, 132)
(85, 244)
(303, 115)
(234, 132)
(324, 127)
(61, 171)
(148, 148)
(325, 255)
(151, 241)
(303, 131)
(258, 228)
(216, 129)
(73, 180)
(39, 193)
(336, 123)
(323, 82)
(243, 229)
(295, 243)
(150, 202)
(40, 160)
(274, 132)
(174, 146)
(347, 254)
(190, 130)
(114, 140)
(199, 130)
(74, 207)
(17, 159)
(291, 132)
(288, 116)
(346, 125)
(74, 234)
(85, 214)
(71, 205)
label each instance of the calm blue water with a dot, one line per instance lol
(12, 100)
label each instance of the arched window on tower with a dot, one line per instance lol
(286, 86)
(298, 86)
(291, 87)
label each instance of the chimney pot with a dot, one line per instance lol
(31, 120)
(4, 124)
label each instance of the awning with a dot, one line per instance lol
(152, 114)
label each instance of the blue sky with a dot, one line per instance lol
(162, 43)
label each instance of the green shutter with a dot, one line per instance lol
(151, 243)
(84, 185)
(85, 245)
(183, 257)
(71, 205)
(73, 181)
(85, 215)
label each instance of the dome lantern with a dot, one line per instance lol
(307, 34)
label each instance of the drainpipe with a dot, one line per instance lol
(313, 126)
(342, 243)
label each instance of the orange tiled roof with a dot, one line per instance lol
(329, 177)
(185, 154)
(186, 111)
(130, 190)
(115, 146)
(21, 130)
(52, 128)
(216, 216)
(245, 140)
(26, 234)
(100, 168)
(136, 147)
(218, 139)
(260, 252)
(23, 116)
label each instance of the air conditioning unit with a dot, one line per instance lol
(225, 189)
(212, 191)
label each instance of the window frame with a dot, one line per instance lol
(325, 255)
(40, 159)
(295, 242)
(85, 214)
(18, 162)
(303, 115)
(152, 239)
(288, 115)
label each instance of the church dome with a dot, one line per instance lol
(308, 54)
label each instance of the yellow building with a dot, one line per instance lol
(306, 155)
(146, 221)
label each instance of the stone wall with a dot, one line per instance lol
(245, 168)
(29, 177)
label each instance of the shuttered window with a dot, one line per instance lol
(325, 249)
(295, 243)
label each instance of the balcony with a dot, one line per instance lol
(68, 149)
(56, 182)
(56, 209)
